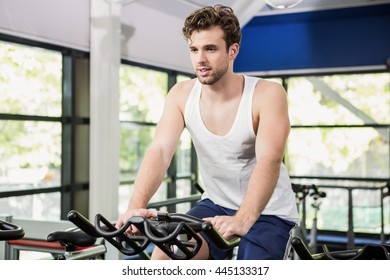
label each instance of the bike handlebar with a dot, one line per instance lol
(82, 223)
(368, 252)
(10, 231)
(166, 231)
(312, 190)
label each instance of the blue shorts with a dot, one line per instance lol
(266, 240)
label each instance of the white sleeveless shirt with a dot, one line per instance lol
(226, 162)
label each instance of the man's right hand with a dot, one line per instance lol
(146, 213)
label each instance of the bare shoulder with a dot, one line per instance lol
(269, 87)
(183, 87)
(269, 92)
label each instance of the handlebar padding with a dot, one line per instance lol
(83, 223)
(301, 249)
(9, 231)
(217, 239)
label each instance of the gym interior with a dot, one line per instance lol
(82, 87)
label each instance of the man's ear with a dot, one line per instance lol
(233, 51)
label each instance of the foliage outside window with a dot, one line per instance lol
(30, 139)
(142, 96)
(341, 103)
(340, 129)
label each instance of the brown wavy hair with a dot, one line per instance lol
(218, 15)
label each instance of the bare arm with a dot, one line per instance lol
(270, 105)
(272, 133)
(157, 158)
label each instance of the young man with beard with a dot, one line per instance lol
(239, 126)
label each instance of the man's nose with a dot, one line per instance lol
(201, 57)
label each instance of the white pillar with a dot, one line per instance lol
(105, 20)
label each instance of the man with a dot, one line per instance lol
(239, 126)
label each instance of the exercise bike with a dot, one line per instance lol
(307, 250)
(368, 252)
(10, 231)
(175, 234)
(301, 192)
(78, 245)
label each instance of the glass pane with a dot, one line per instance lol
(142, 93)
(367, 210)
(30, 80)
(183, 155)
(30, 154)
(386, 213)
(183, 190)
(82, 96)
(340, 99)
(81, 171)
(180, 78)
(334, 208)
(125, 192)
(134, 142)
(44, 206)
(333, 212)
(183, 152)
(344, 152)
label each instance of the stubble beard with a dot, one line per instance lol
(214, 77)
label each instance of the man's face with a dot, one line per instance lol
(208, 53)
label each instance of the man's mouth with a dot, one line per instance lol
(204, 71)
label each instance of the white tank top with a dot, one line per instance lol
(226, 162)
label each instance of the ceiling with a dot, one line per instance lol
(247, 9)
(145, 23)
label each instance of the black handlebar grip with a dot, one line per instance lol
(83, 223)
(219, 241)
(9, 231)
(301, 249)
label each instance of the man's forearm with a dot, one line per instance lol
(261, 186)
(149, 178)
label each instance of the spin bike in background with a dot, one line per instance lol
(10, 231)
(77, 244)
(301, 193)
(368, 252)
(305, 250)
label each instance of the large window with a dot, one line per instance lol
(340, 140)
(142, 95)
(341, 126)
(44, 121)
(30, 139)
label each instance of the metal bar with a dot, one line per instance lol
(174, 201)
(350, 232)
(88, 253)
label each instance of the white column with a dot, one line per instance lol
(104, 126)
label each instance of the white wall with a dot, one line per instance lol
(148, 35)
(153, 37)
(62, 22)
